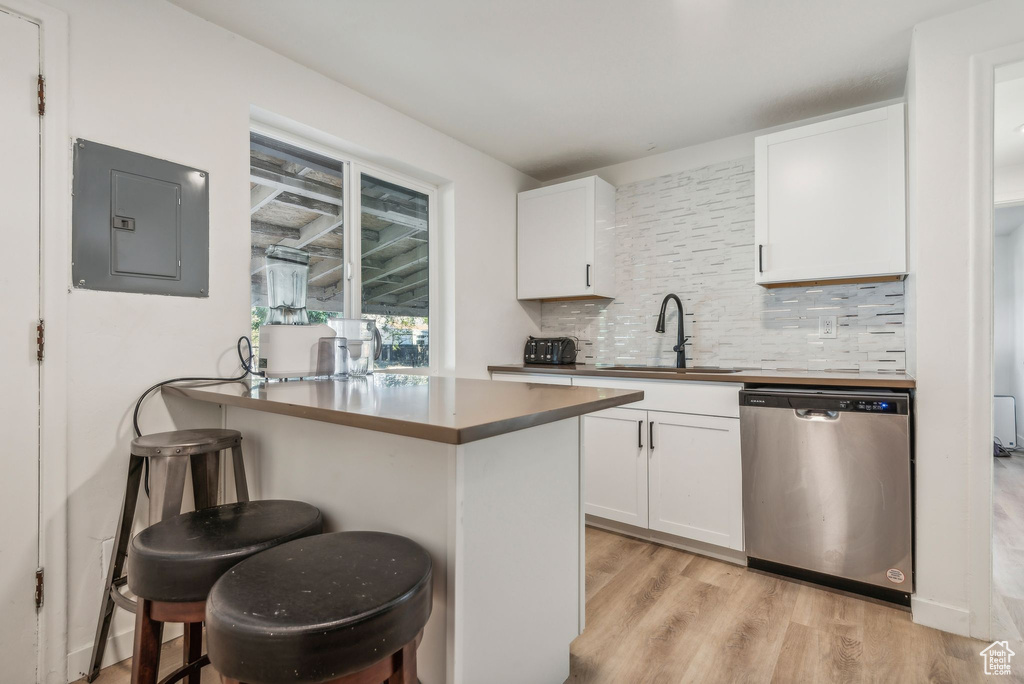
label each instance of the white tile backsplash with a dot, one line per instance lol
(692, 233)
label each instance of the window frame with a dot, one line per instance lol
(353, 170)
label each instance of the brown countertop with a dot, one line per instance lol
(768, 377)
(449, 410)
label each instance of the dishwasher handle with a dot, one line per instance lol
(816, 414)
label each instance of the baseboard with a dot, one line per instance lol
(700, 548)
(940, 616)
(119, 647)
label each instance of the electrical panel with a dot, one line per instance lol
(139, 224)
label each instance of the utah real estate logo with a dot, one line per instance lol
(997, 658)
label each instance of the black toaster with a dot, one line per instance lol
(551, 351)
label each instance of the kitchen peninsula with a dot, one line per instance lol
(485, 475)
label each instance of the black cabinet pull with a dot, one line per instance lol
(760, 258)
(640, 434)
(588, 275)
(650, 434)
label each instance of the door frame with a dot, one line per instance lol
(54, 279)
(982, 337)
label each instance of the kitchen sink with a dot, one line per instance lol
(671, 369)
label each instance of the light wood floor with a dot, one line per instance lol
(1008, 548)
(656, 614)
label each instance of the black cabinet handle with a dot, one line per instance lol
(650, 434)
(760, 258)
(588, 275)
(640, 434)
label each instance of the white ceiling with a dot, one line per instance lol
(554, 87)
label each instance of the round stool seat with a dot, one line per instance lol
(179, 559)
(316, 609)
(185, 442)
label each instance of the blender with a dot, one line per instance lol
(289, 345)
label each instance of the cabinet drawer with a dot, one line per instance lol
(704, 398)
(535, 378)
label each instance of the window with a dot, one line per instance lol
(304, 199)
(395, 276)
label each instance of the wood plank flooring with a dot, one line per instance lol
(656, 614)
(1008, 547)
(659, 615)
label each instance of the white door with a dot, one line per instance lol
(695, 486)
(615, 465)
(19, 400)
(556, 240)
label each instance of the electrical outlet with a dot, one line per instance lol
(827, 327)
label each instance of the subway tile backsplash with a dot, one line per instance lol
(692, 233)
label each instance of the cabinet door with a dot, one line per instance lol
(695, 485)
(556, 240)
(830, 199)
(615, 464)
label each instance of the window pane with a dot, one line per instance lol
(295, 201)
(395, 272)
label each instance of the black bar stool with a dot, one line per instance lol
(342, 608)
(173, 564)
(168, 453)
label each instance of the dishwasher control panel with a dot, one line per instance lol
(872, 406)
(895, 403)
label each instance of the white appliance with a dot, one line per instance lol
(290, 351)
(1004, 415)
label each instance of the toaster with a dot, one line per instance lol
(551, 351)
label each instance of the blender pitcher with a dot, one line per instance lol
(364, 343)
(287, 273)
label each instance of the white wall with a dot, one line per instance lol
(1004, 293)
(1009, 184)
(1008, 296)
(149, 77)
(953, 329)
(1015, 361)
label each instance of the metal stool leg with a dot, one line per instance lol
(205, 479)
(241, 486)
(166, 486)
(192, 649)
(117, 558)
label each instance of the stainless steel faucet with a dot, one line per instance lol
(680, 339)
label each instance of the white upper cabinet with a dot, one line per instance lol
(567, 241)
(830, 200)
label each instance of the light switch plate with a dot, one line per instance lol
(827, 326)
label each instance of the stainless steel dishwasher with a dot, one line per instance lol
(827, 480)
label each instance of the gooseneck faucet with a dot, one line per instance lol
(680, 340)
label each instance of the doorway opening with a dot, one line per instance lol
(1008, 357)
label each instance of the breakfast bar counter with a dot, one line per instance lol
(487, 476)
(449, 410)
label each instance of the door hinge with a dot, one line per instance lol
(40, 339)
(41, 84)
(39, 587)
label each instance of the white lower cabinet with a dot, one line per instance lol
(694, 478)
(676, 473)
(673, 471)
(615, 450)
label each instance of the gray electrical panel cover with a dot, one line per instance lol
(139, 224)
